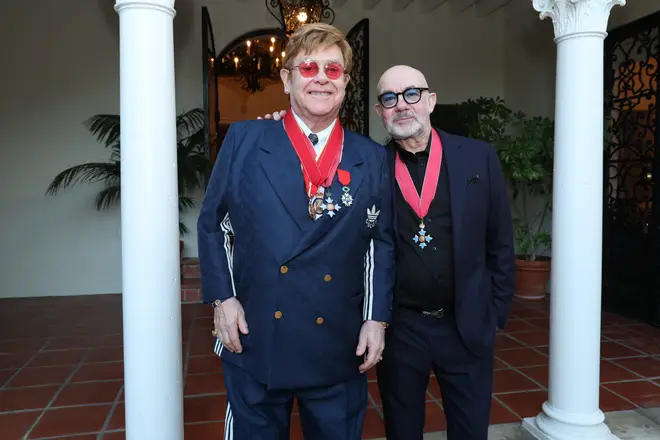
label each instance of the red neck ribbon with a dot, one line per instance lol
(421, 204)
(319, 172)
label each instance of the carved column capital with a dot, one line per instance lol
(166, 6)
(571, 17)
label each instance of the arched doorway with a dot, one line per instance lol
(228, 98)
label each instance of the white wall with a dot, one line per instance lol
(60, 66)
(529, 74)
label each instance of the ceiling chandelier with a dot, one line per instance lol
(254, 63)
(255, 60)
(291, 14)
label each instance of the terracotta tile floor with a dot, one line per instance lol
(61, 370)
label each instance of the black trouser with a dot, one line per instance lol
(414, 345)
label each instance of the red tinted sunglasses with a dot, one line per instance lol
(309, 69)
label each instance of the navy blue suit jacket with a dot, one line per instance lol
(306, 286)
(484, 255)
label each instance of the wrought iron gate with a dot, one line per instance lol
(631, 228)
(354, 113)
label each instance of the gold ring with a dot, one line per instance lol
(215, 333)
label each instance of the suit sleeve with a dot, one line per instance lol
(214, 229)
(500, 253)
(379, 263)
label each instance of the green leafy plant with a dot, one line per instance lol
(525, 147)
(192, 164)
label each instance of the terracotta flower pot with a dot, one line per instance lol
(532, 278)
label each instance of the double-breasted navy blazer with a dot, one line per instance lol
(306, 286)
(482, 230)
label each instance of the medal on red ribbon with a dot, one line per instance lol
(421, 204)
(344, 178)
(331, 206)
(318, 174)
(316, 204)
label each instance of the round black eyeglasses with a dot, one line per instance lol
(411, 95)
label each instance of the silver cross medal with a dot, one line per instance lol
(346, 198)
(330, 206)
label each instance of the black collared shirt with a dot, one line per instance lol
(425, 277)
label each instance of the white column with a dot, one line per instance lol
(149, 222)
(572, 409)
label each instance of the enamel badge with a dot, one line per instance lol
(330, 206)
(422, 237)
(316, 205)
(344, 178)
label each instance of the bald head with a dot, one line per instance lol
(405, 104)
(398, 78)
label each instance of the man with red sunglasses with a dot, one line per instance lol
(296, 249)
(455, 265)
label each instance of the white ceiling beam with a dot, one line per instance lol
(459, 6)
(426, 6)
(338, 3)
(370, 4)
(487, 7)
(400, 5)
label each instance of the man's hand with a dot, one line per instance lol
(228, 320)
(372, 342)
(276, 115)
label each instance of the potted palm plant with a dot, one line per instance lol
(192, 163)
(525, 147)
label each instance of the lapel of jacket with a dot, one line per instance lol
(282, 167)
(455, 166)
(351, 161)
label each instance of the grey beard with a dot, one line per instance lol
(398, 137)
